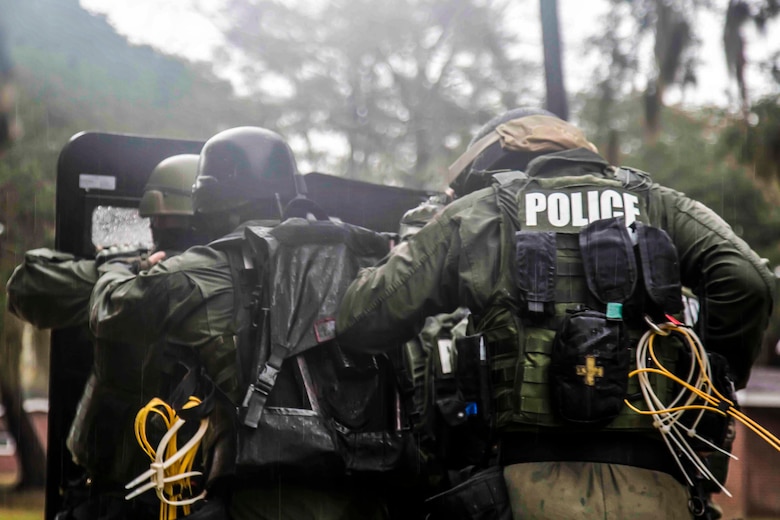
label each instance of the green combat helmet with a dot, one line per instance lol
(169, 188)
(167, 202)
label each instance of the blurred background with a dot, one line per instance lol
(391, 92)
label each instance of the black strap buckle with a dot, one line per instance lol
(258, 392)
(254, 404)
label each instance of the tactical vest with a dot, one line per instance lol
(561, 338)
(306, 407)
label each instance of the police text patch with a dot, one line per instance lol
(570, 210)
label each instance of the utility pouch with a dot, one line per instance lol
(459, 383)
(609, 261)
(535, 264)
(481, 497)
(461, 401)
(448, 402)
(467, 371)
(351, 362)
(660, 271)
(589, 366)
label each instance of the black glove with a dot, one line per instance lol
(135, 259)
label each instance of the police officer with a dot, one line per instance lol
(247, 175)
(483, 251)
(51, 289)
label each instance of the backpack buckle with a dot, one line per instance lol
(258, 392)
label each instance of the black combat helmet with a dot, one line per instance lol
(509, 142)
(247, 170)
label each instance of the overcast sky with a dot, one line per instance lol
(173, 26)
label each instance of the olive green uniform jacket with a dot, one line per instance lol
(51, 289)
(454, 261)
(190, 300)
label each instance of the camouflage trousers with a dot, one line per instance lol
(591, 491)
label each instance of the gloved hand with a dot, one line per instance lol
(135, 259)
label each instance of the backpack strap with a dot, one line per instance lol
(250, 266)
(256, 341)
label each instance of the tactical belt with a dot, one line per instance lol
(604, 447)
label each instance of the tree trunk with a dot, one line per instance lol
(29, 449)
(553, 67)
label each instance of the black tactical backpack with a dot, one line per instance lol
(309, 407)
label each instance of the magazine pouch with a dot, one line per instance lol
(535, 261)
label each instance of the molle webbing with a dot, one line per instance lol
(570, 285)
(520, 341)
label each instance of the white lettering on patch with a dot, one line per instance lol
(534, 203)
(578, 209)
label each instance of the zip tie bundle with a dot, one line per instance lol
(170, 472)
(697, 386)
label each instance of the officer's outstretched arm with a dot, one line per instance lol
(388, 304)
(139, 308)
(51, 289)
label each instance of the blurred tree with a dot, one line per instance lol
(756, 140)
(397, 85)
(670, 26)
(739, 13)
(715, 175)
(10, 129)
(72, 73)
(29, 449)
(557, 100)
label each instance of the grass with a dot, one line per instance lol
(21, 505)
(20, 514)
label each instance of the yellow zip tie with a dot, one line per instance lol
(719, 404)
(170, 472)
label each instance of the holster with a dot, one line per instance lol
(483, 496)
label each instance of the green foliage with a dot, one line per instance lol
(398, 85)
(671, 27)
(694, 155)
(74, 73)
(756, 142)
